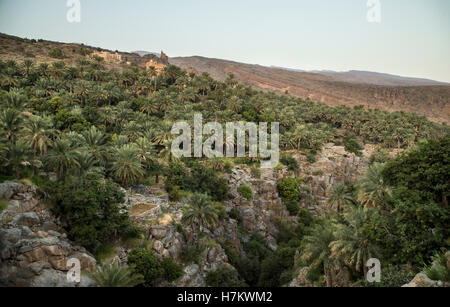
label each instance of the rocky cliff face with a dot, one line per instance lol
(34, 249)
(334, 165)
(152, 210)
(159, 222)
(258, 213)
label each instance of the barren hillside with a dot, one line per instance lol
(431, 101)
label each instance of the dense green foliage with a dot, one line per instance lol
(289, 191)
(190, 253)
(200, 213)
(114, 275)
(91, 210)
(290, 162)
(172, 270)
(224, 277)
(400, 216)
(145, 263)
(438, 270)
(201, 180)
(352, 145)
(245, 192)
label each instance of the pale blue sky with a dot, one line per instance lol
(413, 38)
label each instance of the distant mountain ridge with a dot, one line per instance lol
(370, 77)
(144, 53)
(373, 90)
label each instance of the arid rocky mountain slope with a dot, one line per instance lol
(431, 101)
(375, 78)
(39, 51)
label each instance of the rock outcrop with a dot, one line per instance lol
(150, 208)
(334, 165)
(258, 213)
(421, 280)
(34, 249)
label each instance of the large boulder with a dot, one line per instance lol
(8, 189)
(26, 219)
(158, 232)
(34, 249)
(421, 280)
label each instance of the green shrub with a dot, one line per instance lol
(205, 180)
(314, 274)
(56, 53)
(176, 177)
(271, 271)
(172, 270)
(289, 190)
(438, 269)
(293, 207)
(181, 230)
(146, 264)
(91, 210)
(380, 156)
(228, 166)
(256, 172)
(220, 209)
(245, 192)
(392, 276)
(311, 158)
(290, 162)
(224, 277)
(104, 251)
(190, 253)
(352, 145)
(3, 205)
(175, 194)
(235, 214)
(114, 275)
(279, 167)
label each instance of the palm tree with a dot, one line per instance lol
(153, 74)
(231, 81)
(87, 164)
(28, 65)
(127, 166)
(107, 116)
(10, 120)
(17, 156)
(372, 188)
(9, 81)
(61, 157)
(317, 252)
(352, 243)
(161, 134)
(340, 197)
(200, 213)
(43, 69)
(163, 101)
(114, 275)
(146, 149)
(235, 104)
(38, 132)
(95, 143)
(149, 107)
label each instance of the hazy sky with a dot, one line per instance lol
(412, 39)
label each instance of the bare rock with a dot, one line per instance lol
(421, 280)
(26, 219)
